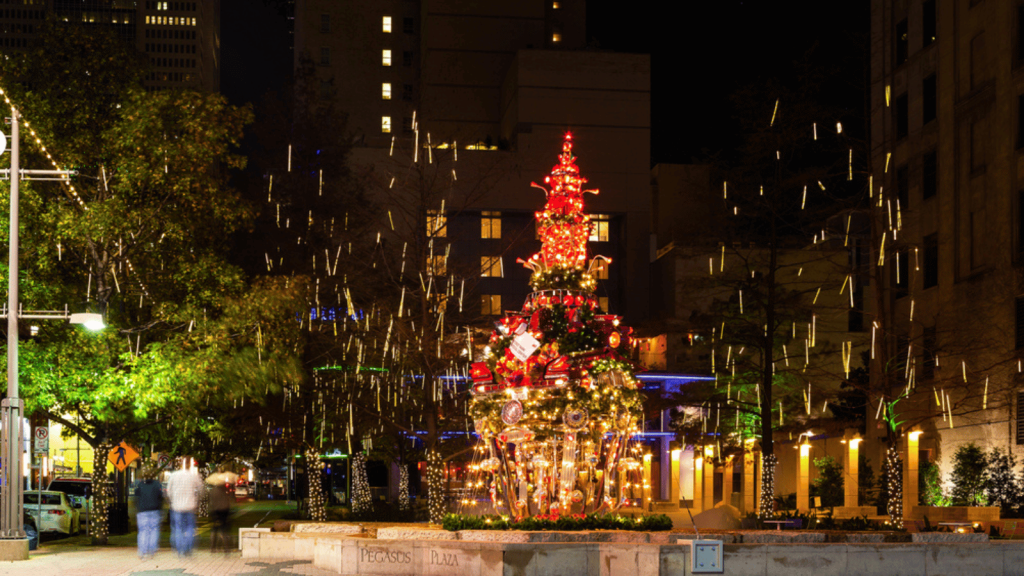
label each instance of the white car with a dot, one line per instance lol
(58, 514)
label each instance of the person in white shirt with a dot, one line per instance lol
(183, 490)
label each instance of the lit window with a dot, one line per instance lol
(490, 304)
(385, 124)
(490, 225)
(385, 91)
(437, 224)
(601, 270)
(602, 302)
(386, 57)
(490, 267)
(437, 265)
(556, 37)
(556, 5)
(387, 24)
(599, 228)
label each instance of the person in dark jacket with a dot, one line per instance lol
(149, 500)
(221, 501)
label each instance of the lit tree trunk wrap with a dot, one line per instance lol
(435, 486)
(894, 474)
(403, 487)
(99, 508)
(768, 463)
(314, 466)
(361, 500)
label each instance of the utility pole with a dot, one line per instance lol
(11, 521)
(12, 408)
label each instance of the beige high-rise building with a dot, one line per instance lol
(947, 145)
(502, 81)
(181, 39)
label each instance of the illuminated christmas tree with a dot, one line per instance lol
(555, 401)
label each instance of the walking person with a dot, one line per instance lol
(149, 499)
(183, 490)
(221, 501)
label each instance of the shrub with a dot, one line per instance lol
(1003, 487)
(969, 476)
(929, 485)
(829, 483)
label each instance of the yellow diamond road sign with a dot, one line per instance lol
(122, 455)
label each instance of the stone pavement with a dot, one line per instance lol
(75, 557)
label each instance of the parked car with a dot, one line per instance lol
(79, 491)
(52, 511)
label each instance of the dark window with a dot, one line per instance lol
(855, 319)
(325, 23)
(929, 97)
(929, 174)
(325, 88)
(901, 282)
(1020, 220)
(407, 25)
(406, 91)
(407, 124)
(407, 59)
(901, 42)
(977, 60)
(1020, 121)
(325, 56)
(977, 147)
(903, 186)
(900, 116)
(928, 364)
(1020, 322)
(931, 260)
(928, 21)
(1020, 417)
(1020, 34)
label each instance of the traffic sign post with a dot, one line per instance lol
(41, 440)
(122, 456)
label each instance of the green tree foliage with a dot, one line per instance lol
(138, 235)
(1004, 486)
(829, 483)
(969, 476)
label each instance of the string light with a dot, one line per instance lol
(314, 469)
(435, 486)
(361, 499)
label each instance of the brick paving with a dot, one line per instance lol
(76, 557)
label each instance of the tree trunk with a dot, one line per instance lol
(99, 507)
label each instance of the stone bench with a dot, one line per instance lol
(298, 544)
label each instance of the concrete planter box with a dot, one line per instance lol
(938, 514)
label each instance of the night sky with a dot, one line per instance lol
(700, 53)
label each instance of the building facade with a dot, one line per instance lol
(947, 137)
(181, 39)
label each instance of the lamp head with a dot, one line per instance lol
(90, 320)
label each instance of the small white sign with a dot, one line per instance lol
(41, 439)
(3, 142)
(523, 346)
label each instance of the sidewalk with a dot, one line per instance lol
(76, 557)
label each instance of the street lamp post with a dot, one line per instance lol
(11, 521)
(12, 408)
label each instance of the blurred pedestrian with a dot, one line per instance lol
(149, 500)
(221, 501)
(183, 490)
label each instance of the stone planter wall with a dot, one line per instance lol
(937, 514)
